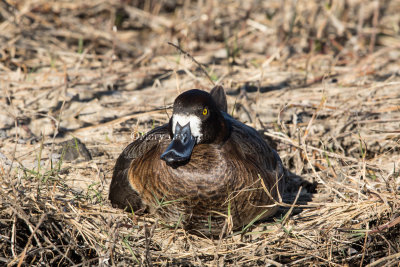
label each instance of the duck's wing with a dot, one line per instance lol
(219, 97)
(121, 194)
(253, 147)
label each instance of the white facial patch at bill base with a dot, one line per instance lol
(195, 124)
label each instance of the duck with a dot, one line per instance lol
(203, 170)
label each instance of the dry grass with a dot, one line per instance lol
(321, 78)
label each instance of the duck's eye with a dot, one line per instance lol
(205, 111)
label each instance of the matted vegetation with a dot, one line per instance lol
(319, 78)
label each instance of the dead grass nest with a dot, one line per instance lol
(319, 78)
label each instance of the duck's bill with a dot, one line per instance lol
(180, 149)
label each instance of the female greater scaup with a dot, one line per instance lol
(200, 167)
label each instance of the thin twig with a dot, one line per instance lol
(180, 49)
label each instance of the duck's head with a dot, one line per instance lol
(196, 119)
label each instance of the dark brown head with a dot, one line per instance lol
(196, 119)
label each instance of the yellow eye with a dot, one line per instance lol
(205, 111)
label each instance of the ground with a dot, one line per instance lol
(319, 79)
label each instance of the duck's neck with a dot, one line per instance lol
(225, 129)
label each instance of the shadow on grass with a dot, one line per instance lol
(293, 184)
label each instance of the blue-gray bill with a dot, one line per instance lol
(180, 149)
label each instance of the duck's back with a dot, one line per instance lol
(255, 150)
